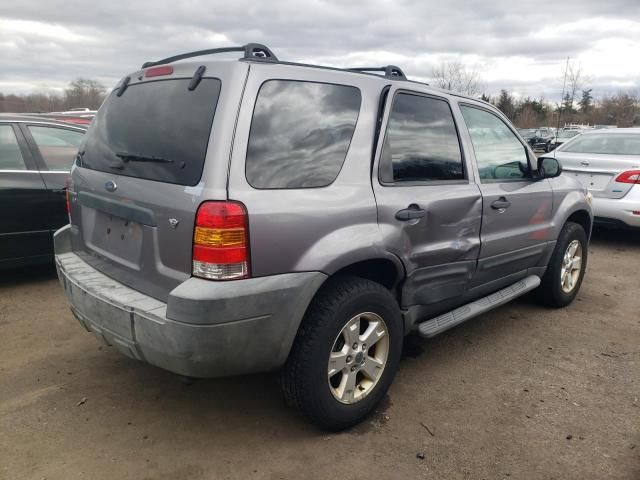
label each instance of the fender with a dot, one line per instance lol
(347, 246)
(569, 197)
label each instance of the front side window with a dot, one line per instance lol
(500, 155)
(300, 133)
(58, 146)
(421, 143)
(10, 155)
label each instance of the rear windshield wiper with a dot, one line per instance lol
(134, 157)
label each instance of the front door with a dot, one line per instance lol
(54, 150)
(23, 200)
(428, 210)
(516, 210)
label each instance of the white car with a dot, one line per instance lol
(607, 163)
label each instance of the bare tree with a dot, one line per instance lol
(457, 77)
(577, 81)
(527, 118)
(80, 93)
(84, 92)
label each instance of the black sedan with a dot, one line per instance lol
(36, 155)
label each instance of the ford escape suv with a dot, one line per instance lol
(230, 216)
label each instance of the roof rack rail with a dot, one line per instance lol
(390, 71)
(253, 51)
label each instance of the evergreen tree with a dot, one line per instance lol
(506, 104)
(586, 102)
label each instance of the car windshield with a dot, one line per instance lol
(528, 133)
(611, 144)
(568, 134)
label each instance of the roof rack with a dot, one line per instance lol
(390, 71)
(253, 51)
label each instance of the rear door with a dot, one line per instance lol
(429, 209)
(54, 149)
(516, 210)
(23, 196)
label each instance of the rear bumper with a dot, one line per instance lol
(619, 209)
(206, 329)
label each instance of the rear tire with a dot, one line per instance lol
(332, 375)
(565, 272)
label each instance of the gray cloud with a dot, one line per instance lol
(44, 44)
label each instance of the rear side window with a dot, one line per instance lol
(421, 143)
(10, 155)
(609, 144)
(57, 146)
(156, 130)
(300, 133)
(500, 155)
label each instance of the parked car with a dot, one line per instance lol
(35, 158)
(541, 140)
(561, 137)
(538, 139)
(78, 117)
(230, 217)
(527, 133)
(607, 162)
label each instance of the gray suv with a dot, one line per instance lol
(231, 216)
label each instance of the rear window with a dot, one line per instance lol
(155, 130)
(300, 133)
(611, 144)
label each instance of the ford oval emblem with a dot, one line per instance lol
(110, 186)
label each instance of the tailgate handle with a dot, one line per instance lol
(413, 212)
(501, 204)
(118, 209)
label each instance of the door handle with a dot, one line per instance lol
(413, 212)
(501, 203)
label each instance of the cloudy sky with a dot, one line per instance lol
(518, 45)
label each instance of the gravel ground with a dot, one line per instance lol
(522, 392)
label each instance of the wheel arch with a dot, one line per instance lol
(582, 218)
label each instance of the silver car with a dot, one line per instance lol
(607, 162)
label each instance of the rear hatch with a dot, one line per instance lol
(138, 179)
(596, 160)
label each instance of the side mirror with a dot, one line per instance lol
(548, 167)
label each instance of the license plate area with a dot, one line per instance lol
(593, 181)
(116, 238)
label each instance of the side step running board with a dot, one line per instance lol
(455, 317)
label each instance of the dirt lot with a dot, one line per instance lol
(522, 392)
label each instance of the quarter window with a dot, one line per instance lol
(499, 153)
(57, 146)
(300, 133)
(421, 143)
(10, 155)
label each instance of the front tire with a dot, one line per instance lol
(346, 353)
(565, 272)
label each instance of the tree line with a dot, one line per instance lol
(81, 92)
(621, 109)
(578, 105)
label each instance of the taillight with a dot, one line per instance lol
(630, 176)
(221, 241)
(67, 186)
